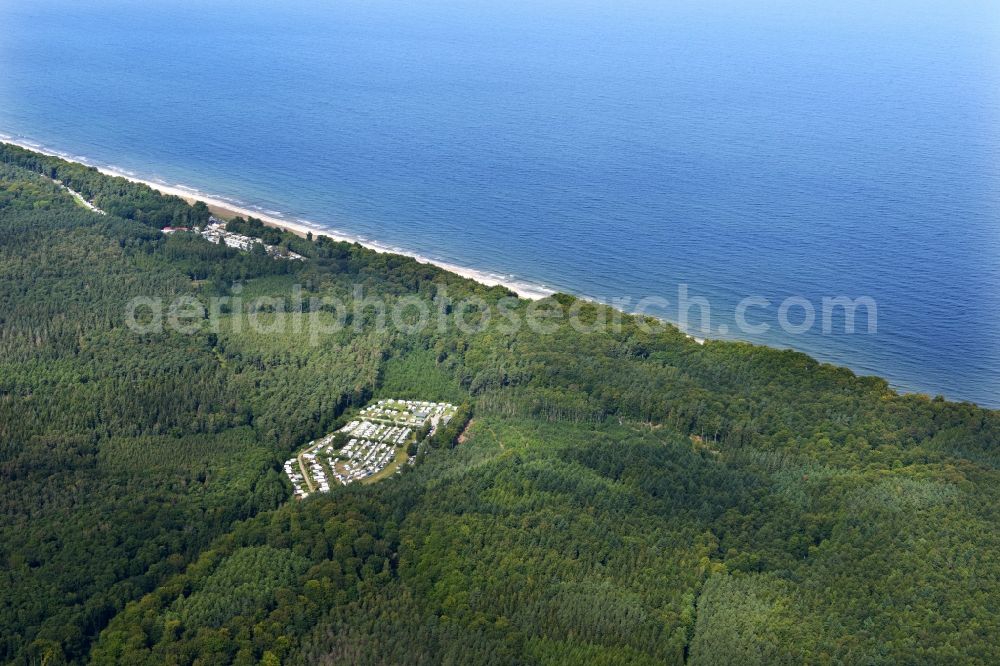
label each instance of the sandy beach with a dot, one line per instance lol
(226, 209)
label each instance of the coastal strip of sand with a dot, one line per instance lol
(227, 209)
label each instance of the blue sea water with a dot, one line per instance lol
(608, 149)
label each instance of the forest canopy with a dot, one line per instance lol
(621, 497)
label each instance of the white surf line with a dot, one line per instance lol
(300, 227)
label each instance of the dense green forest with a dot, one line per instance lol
(625, 496)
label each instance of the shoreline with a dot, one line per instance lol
(224, 208)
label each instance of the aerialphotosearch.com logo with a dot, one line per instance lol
(317, 315)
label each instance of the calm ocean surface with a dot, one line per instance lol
(614, 149)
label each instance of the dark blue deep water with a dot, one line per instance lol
(608, 149)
